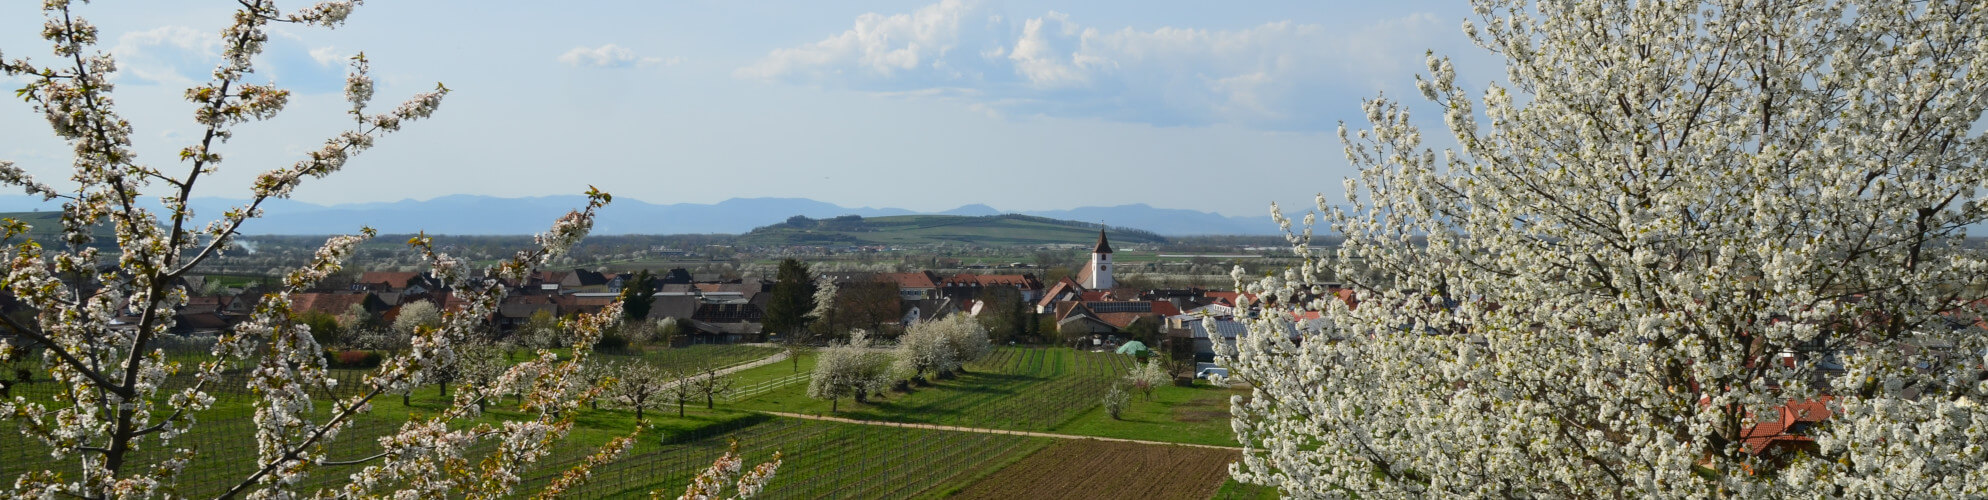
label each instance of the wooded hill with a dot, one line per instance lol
(916, 230)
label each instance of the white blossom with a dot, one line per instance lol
(1673, 220)
(115, 404)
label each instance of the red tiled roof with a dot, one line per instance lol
(911, 280)
(328, 303)
(391, 279)
(1765, 435)
(1062, 285)
(1224, 298)
(1023, 281)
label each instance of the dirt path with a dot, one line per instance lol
(776, 358)
(990, 431)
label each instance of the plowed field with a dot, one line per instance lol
(1086, 469)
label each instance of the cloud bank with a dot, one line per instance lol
(179, 56)
(1276, 75)
(611, 56)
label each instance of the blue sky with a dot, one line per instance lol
(1019, 105)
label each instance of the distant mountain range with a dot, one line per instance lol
(474, 214)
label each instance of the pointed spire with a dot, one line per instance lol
(1103, 246)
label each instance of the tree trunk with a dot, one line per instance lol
(638, 412)
(709, 404)
(679, 408)
(832, 403)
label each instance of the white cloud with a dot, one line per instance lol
(179, 56)
(878, 45)
(1273, 75)
(613, 56)
(166, 55)
(329, 56)
(1038, 58)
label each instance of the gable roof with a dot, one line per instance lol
(524, 306)
(1765, 435)
(391, 279)
(673, 306)
(923, 279)
(1022, 281)
(329, 303)
(1062, 286)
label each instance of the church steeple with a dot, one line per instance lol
(1098, 275)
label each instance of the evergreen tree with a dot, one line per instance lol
(637, 294)
(793, 298)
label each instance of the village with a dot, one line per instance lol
(1089, 309)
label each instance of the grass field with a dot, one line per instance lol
(1195, 415)
(1027, 388)
(822, 460)
(225, 443)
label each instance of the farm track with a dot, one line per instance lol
(982, 430)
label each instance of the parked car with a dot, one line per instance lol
(1204, 370)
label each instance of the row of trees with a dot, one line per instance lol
(857, 368)
(641, 386)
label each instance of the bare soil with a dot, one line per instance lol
(1089, 469)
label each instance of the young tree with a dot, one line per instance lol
(116, 404)
(640, 385)
(542, 330)
(1147, 376)
(851, 369)
(711, 385)
(1677, 219)
(1115, 400)
(826, 320)
(479, 364)
(667, 330)
(679, 390)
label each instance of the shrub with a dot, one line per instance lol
(353, 358)
(1115, 400)
(613, 342)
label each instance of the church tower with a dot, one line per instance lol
(1099, 275)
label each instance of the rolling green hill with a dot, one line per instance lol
(914, 230)
(46, 227)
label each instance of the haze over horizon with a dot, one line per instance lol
(926, 106)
